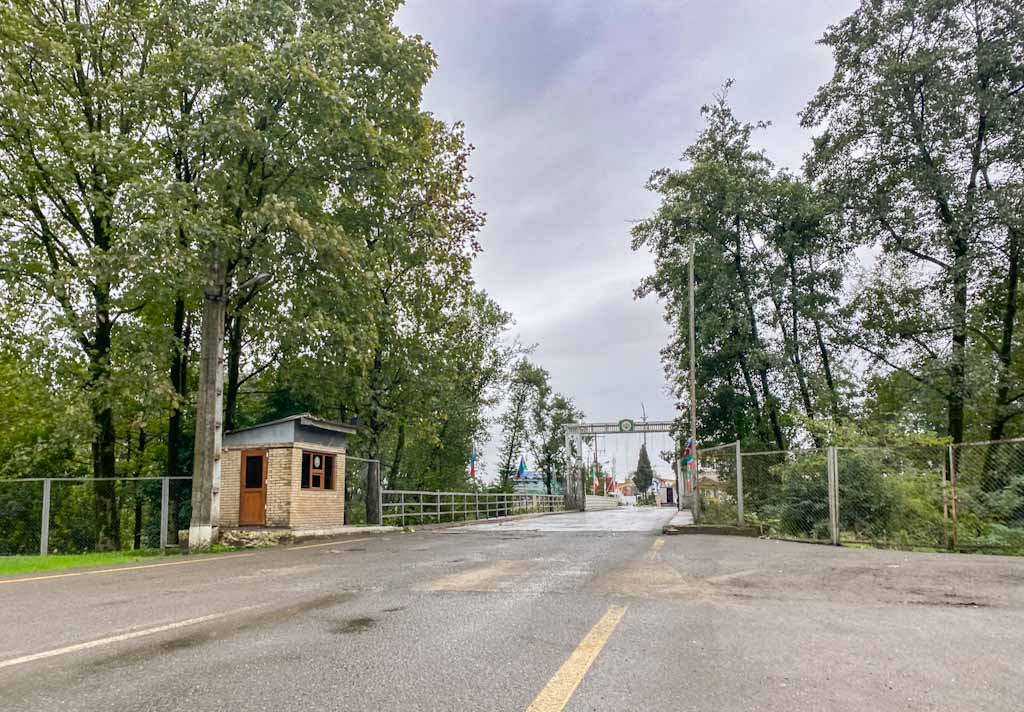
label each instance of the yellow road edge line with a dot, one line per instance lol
(560, 688)
(124, 568)
(329, 543)
(117, 638)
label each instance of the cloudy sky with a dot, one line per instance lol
(571, 104)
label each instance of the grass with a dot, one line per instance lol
(13, 565)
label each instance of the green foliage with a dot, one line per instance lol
(526, 388)
(715, 512)
(140, 140)
(551, 413)
(643, 478)
(766, 261)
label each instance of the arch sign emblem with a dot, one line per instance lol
(626, 425)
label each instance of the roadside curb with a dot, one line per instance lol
(412, 528)
(718, 529)
(313, 534)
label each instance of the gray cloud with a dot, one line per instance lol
(571, 104)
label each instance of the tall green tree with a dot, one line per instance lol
(551, 413)
(524, 388)
(284, 103)
(77, 96)
(715, 202)
(644, 476)
(919, 134)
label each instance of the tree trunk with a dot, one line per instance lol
(396, 460)
(826, 359)
(795, 357)
(760, 366)
(234, 330)
(139, 493)
(377, 428)
(826, 365)
(206, 458)
(1002, 405)
(748, 381)
(998, 426)
(179, 382)
(108, 521)
(957, 366)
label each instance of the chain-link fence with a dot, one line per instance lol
(717, 475)
(893, 496)
(967, 497)
(988, 495)
(787, 493)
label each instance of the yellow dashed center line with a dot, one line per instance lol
(560, 688)
(655, 548)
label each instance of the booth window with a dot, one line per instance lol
(317, 471)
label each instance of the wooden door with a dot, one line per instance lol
(252, 504)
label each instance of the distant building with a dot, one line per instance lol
(665, 490)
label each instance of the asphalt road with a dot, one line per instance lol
(574, 612)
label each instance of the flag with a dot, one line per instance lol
(688, 452)
(522, 468)
(472, 462)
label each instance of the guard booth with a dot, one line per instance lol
(287, 473)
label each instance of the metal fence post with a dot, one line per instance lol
(44, 533)
(437, 499)
(739, 484)
(165, 502)
(832, 474)
(953, 464)
(380, 496)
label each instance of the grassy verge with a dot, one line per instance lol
(13, 565)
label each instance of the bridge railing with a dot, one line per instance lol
(402, 507)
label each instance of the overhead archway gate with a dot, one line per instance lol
(575, 488)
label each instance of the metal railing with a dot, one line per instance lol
(401, 507)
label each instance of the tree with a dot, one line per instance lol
(741, 219)
(920, 135)
(644, 476)
(75, 158)
(551, 413)
(525, 386)
(178, 177)
(272, 128)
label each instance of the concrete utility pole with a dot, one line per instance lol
(209, 403)
(693, 388)
(203, 528)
